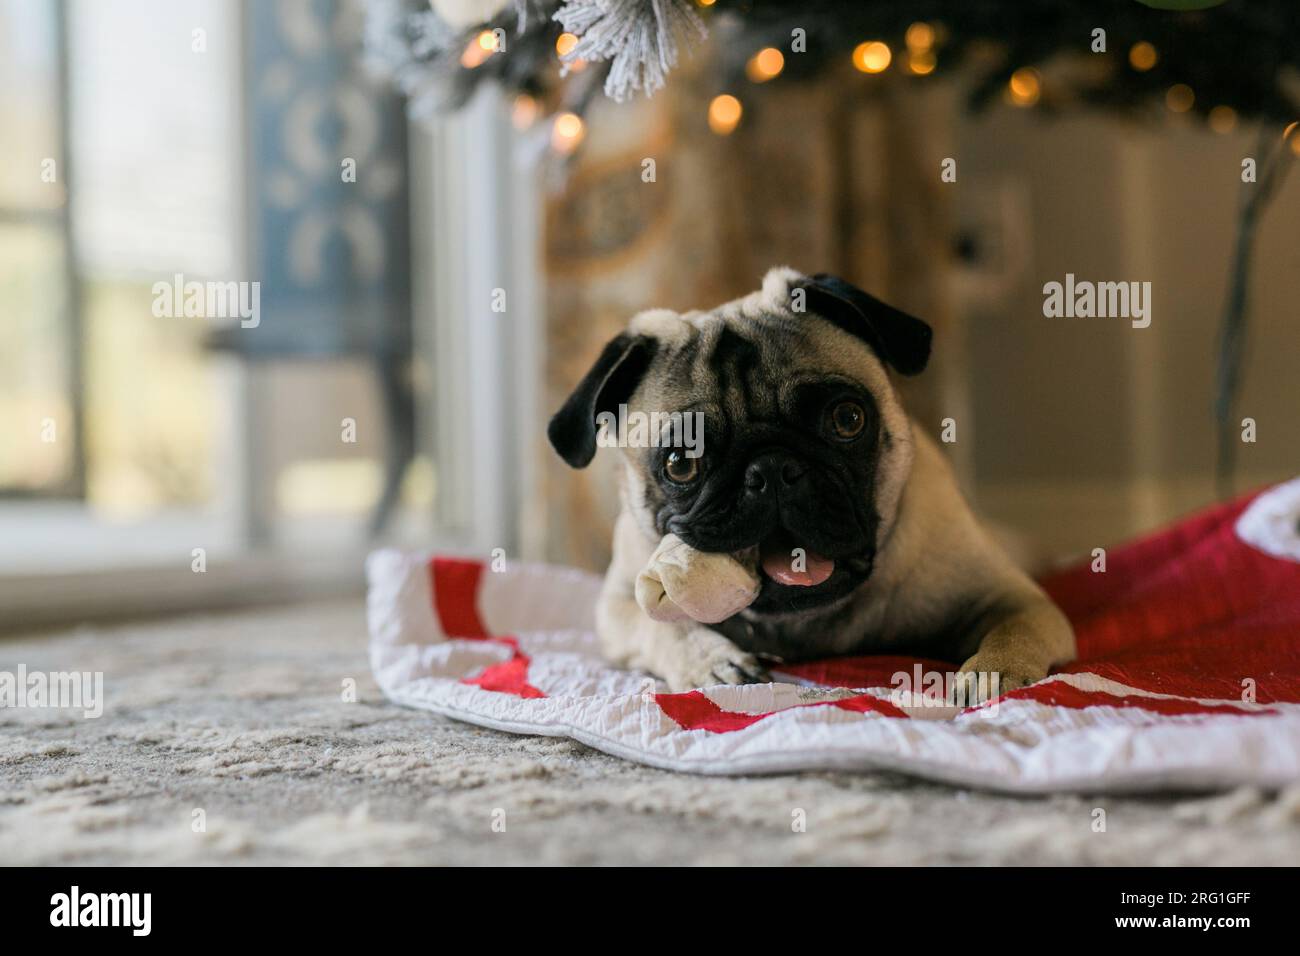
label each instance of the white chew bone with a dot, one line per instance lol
(679, 583)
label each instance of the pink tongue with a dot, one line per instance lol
(787, 563)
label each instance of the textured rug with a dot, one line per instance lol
(228, 740)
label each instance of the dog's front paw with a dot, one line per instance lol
(709, 658)
(990, 673)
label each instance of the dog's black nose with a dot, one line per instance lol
(773, 470)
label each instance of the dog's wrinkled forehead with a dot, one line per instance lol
(742, 355)
(736, 358)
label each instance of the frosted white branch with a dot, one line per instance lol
(638, 37)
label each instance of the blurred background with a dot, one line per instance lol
(447, 222)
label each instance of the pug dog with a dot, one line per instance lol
(812, 472)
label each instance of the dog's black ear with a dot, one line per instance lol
(898, 338)
(610, 382)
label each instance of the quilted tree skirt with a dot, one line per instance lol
(1188, 674)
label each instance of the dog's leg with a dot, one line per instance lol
(1019, 640)
(683, 653)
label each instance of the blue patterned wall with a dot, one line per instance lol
(332, 256)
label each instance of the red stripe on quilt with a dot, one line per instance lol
(1061, 694)
(455, 596)
(866, 703)
(1215, 662)
(508, 677)
(694, 711)
(455, 583)
(875, 670)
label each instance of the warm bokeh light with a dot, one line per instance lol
(524, 112)
(872, 56)
(565, 43)
(567, 132)
(1180, 98)
(478, 50)
(920, 36)
(765, 64)
(724, 113)
(1289, 134)
(1142, 56)
(920, 62)
(1025, 86)
(1223, 119)
(706, 3)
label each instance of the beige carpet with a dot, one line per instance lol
(242, 717)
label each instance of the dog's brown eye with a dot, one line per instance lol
(847, 420)
(681, 469)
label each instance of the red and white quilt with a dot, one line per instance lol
(1188, 673)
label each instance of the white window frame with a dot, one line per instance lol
(477, 201)
(476, 224)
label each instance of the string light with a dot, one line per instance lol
(567, 132)
(1223, 119)
(478, 50)
(1180, 98)
(764, 65)
(564, 45)
(920, 37)
(724, 113)
(1142, 56)
(1288, 135)
(1025, 86)
(920, 62)
(872, 56)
